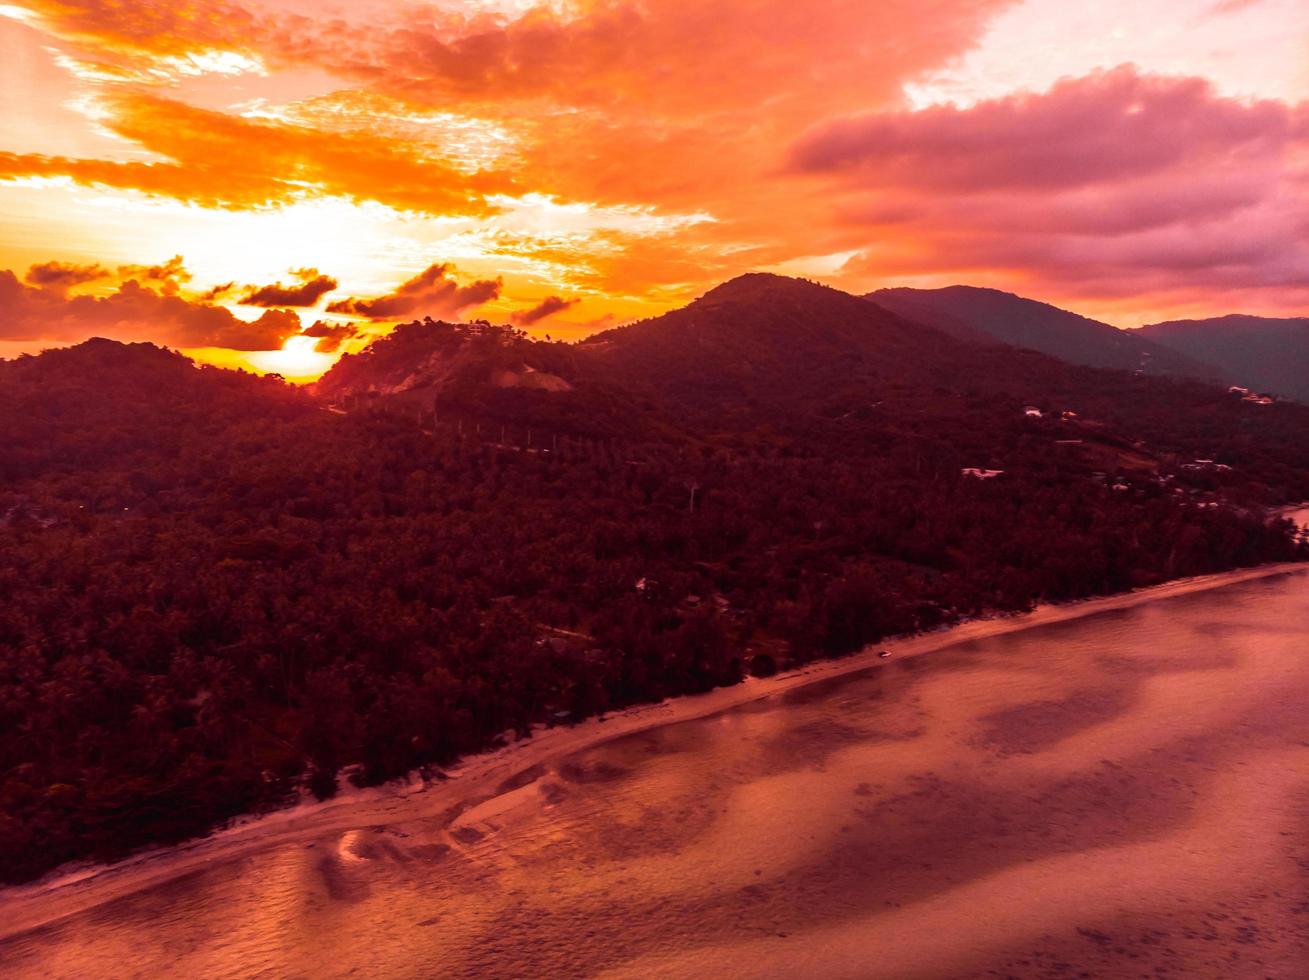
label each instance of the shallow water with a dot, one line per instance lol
(1125, 794)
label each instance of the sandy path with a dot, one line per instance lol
(481, 778)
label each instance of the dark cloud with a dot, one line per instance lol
(331, 335)
(134, 312)
(547, 307)
(310, 290)
(62, 276)
(432, 292)
(222, 289)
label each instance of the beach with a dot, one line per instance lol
(478, 782)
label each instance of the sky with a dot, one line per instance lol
(269, 183)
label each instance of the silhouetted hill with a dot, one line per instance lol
(812, 366)
(972, 313)
(484, 372)
(1262, 353)
(102, 399)
(756, 340)
(821, 371)
(766, 338)
(112, 357)
(430, 356)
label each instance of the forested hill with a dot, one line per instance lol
(489, 375)
(219, 594)
(973, 313)
(104, 403)
(1266, 354)
(765, 339)
(812, 367)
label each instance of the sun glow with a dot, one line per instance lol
(298, 360)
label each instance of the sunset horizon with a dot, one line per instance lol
(218, 177)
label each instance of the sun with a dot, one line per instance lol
(298, 360)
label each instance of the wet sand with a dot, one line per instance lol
(1116, 788)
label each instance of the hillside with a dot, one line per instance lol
(428, 356)
(766, 358)
(484, 373)
(754, 340)
(1262, 353)
(763, 338)
(103, 401)
(246, 597)
(975, 314)
(820, 369)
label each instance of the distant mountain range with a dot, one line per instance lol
(807, 361)
(756, 337)
(989, 315)
(1262, 353)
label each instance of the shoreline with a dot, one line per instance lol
(479, 778)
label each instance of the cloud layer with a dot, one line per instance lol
(330, 336)
(131, 312)
(631, 153)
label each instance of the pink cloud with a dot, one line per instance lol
(330, 335)
(1108, 126)
(311, 288)
(1110, 185)
(170, 275)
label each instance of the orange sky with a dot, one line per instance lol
(570, 165)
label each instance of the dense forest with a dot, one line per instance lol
(220, 589)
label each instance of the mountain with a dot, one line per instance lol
(484, 373)
(820, 369)
(755, 337)
(758, 331)
(102, 400)
(433, 356)
(728, 359)
(805, 366)
(1263, 353)
(989, 315)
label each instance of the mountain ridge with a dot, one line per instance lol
(1269, 354)
(970, 311)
